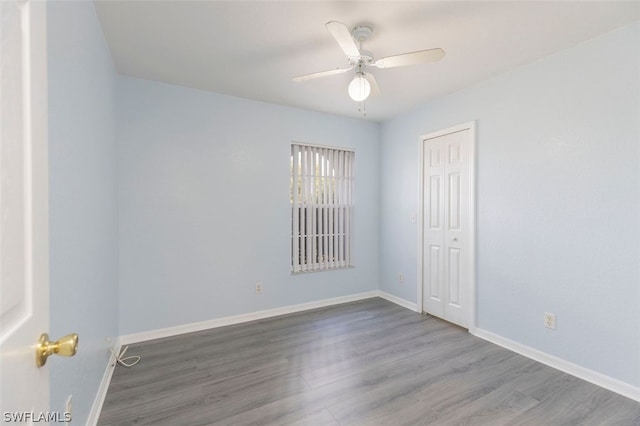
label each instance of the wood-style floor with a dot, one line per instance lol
(363, 363)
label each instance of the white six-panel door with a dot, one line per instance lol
(446, 267)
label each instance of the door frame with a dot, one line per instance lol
(471, 126)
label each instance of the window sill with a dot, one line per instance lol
(341, 268)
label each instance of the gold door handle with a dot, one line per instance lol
(65, 346)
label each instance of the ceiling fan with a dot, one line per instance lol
(364, 83)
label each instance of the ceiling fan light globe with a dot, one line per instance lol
(359, 88)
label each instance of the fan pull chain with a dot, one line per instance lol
(362, 107)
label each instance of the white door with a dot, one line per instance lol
(24, 287)
(446, 267)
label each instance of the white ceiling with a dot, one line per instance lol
(252, 49)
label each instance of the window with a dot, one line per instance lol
(321, 208)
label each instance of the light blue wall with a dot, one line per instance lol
(204, 205)
(83, 215)
(558, 215)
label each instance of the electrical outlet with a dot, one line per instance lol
(550, 320)
(68, 406)
(400, 277)
(258, 288)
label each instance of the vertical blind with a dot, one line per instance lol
(321, 208)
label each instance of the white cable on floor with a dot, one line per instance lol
(123, 361)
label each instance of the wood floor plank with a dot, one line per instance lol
(369, 362)
(468, 367)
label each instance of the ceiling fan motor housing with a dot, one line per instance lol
(361, 34)
(365, 58)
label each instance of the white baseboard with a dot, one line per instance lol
(96, 408)
(398, 301)
(237, 319)
(578, 371)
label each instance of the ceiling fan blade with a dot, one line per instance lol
(375, 89)
(419, 57)
(320, 74)
(341, 33)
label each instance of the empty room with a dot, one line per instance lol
(320, 212)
